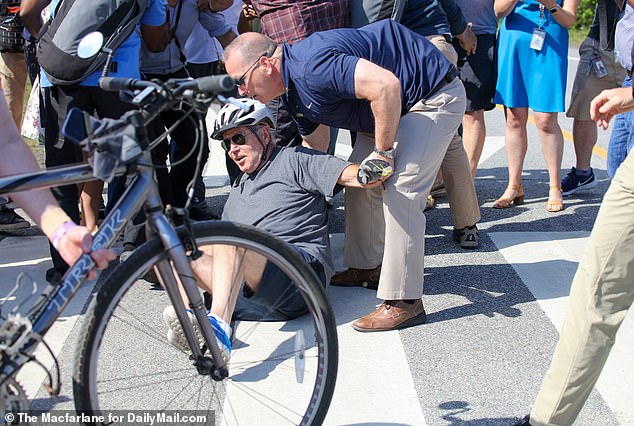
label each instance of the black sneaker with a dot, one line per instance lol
(524, 421)
(467, 237)
(10, 220)
(573, 182)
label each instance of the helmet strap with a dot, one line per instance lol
(265, 151)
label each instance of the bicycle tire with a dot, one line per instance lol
(104, 344)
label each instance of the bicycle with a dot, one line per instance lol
(276, 375)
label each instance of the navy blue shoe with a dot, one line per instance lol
(573, 182)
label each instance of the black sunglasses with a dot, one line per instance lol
(238, 139)
(240, 81)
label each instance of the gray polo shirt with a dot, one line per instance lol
(287, 198)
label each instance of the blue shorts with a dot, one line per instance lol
(277, 298)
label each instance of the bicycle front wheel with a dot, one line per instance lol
(281, 372)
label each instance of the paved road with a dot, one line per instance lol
(493, 313)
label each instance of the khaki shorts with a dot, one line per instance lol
(587, 86)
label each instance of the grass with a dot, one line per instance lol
(576, 36)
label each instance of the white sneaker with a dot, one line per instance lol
(176, 335)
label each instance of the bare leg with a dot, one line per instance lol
(552, 143)
(516, 145)
(584, 133)
(473, 136)
(90, 197)
(222, 270)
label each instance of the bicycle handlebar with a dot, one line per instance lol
(211, 84)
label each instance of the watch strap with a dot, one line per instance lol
(390, 153)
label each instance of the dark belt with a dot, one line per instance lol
(448, 78)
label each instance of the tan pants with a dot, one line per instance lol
(388, 225)
(456, 171)
(602, 292)
(13, 75)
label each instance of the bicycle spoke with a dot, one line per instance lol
(278, 373)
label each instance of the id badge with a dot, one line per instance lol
(537, 41)
(599, 68)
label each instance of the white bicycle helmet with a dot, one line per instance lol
(232, 116)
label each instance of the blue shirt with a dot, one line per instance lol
(127, 55)
(318, 73)
(169, 60)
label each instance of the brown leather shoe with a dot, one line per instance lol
(351, 277)
(392, 315)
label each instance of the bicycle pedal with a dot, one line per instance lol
(13, 333)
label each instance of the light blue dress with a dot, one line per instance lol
(527, 77)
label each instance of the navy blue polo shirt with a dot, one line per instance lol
(318, 73)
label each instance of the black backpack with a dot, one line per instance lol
(10, 27)
(74, 19)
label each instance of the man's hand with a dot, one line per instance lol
(609, 103)
(373, 170)
(248, 11)
(468, 40)
(77, 241)
(388, 164)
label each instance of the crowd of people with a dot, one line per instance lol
(411, 81)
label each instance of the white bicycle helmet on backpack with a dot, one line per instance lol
(249, 112)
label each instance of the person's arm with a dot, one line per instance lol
(69, 239)
(156, 38)
(245, 22)
(155, 26)
(319, 139)
(217, 26)
(459, 27)
(348, 178)
(383, 90)
(503, 7)
(31, 14)
(468, 40)
(457, 21)
(566, 15)
(609, 103)
(227, 38)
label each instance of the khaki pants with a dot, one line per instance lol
(388, 225)
(601, 294)
(456, 171)
(13, 75)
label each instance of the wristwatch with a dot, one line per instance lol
(390, 153)
(553, 9)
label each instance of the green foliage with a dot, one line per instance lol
(585, 15)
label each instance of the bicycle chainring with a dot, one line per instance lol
(12, 400)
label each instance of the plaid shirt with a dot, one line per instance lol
(290, 21)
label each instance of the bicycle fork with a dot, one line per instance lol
(181, 266)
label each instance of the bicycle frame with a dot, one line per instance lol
(142, 191)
